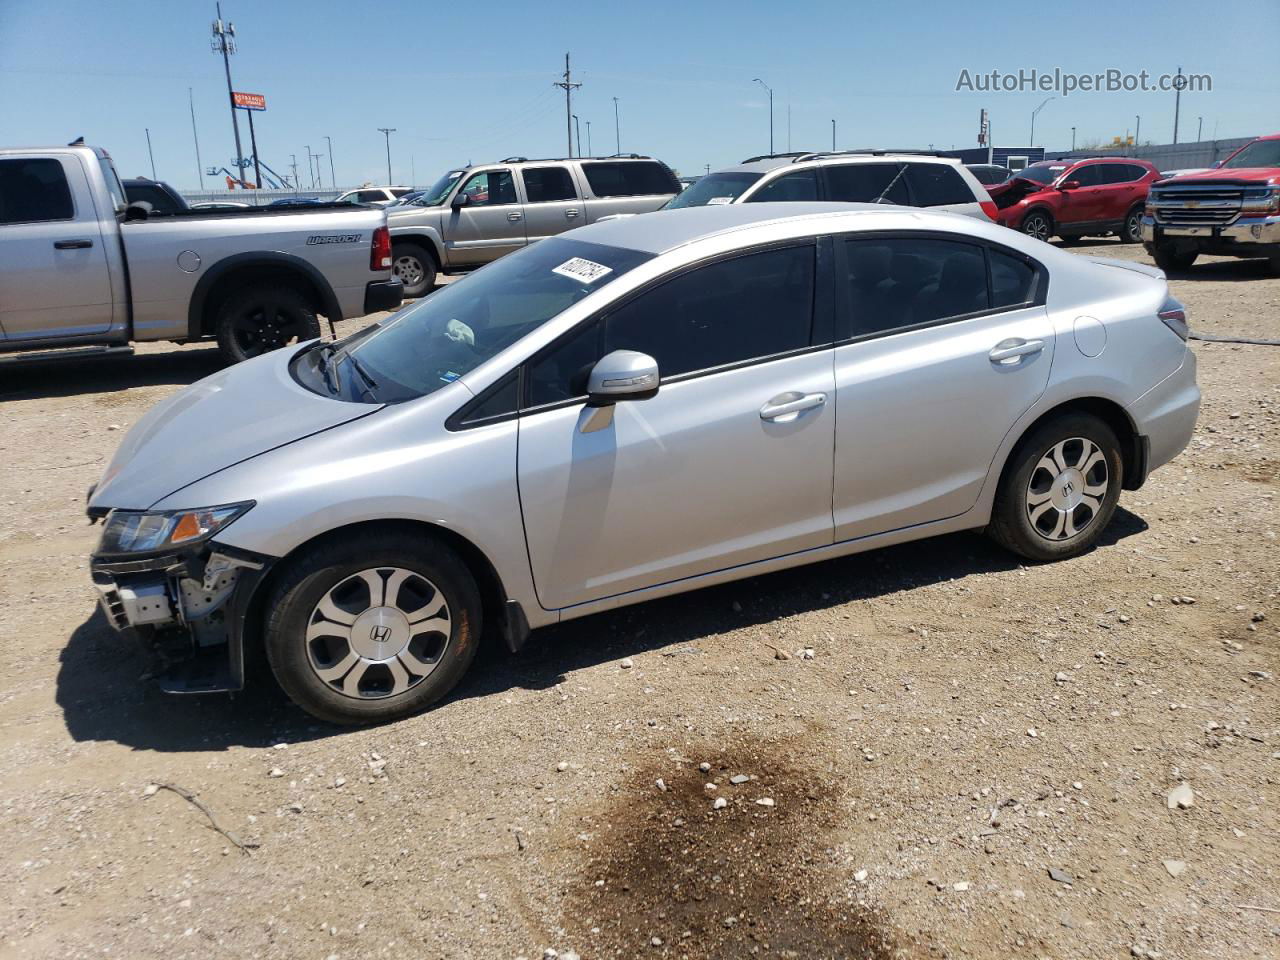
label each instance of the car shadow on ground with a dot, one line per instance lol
(107, 374)
(105, 698)
(1230, 270)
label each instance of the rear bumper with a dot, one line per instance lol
(383, 295)
(1166, 414)
(1246, 237)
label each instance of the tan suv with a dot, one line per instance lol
(473, 215)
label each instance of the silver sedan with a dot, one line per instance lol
(633, 409)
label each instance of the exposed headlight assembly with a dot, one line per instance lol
(150, 531)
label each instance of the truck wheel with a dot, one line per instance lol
(1171, 261)
(262, 318)
(1059, 489)
(1038, 224)
(373, 628)
(1131, 231)
(415, 267)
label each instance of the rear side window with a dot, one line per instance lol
(752, 306)
(905, 282)
(1013, 281)
(635, 178)
(160, 201)
(933, 184)
(799, 186)
(865, 182)
(34, 190)
(545, 184)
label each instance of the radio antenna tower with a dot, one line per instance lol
(224, 42)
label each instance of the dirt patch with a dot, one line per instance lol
(673, 875)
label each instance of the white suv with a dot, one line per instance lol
(856, 176)
(380, 196)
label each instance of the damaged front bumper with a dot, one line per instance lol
(189, 609)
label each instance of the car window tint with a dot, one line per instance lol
(160, 201)
(545, 184)
(1012, 280)
(635, 178)
(370, 196)
(864, 182)
(1114, 173)
(498, 401)
(1086, 176)
(33, 190)
(799, 186)
(561, 373)
(933, 184)
(902, 282)
(752, 306)
(491, 188)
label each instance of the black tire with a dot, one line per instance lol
(1037, 224)
(292, 608)
(1011, 524)
(1170, 261)
(262, 318)
(1131, 230)
(415, 267)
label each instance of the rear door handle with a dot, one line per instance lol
(1011, 351)
(513, 217)
(72, 244)
(788, 406)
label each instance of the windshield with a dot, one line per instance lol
(1039, 174)
(460, 326)
(1260, 153)
(434, 195)
(713, 189)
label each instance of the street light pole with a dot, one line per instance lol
(333, 181)
(311, 172)
(387, 132)
(770, 89)
(1199, 128)
(833, 136)
(1033, 120)
(588, 138)
(577, 132)
(1137, 135)
(617, 135)
(150, 154)
(1073, 139)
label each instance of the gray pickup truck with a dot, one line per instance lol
(476, 214)
(81, 267)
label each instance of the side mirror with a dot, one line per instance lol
(459, 200)
(1216, 165)
(1069, 185)
(622, 375)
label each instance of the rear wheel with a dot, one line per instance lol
(374, 630)
(1038, 224)
(1170, 260)
(415, 267)
(1060, 489)
(262, 318)
(1131, 231)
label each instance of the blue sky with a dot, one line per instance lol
(473, 82)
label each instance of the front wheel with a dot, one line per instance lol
(1037, 224)
(1059, 490)
(1131, 231)
(263, 318)
(415, 267)
(1171, 261)
(373, 629)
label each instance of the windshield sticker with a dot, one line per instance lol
(719, 201)
(449, 376)
(585, 270)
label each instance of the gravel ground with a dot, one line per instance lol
(974, 761)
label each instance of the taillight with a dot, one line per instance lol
(1174, 315)
(989, 208)
(380, 250)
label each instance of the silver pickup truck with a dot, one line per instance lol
(81, 267)
(476, 214)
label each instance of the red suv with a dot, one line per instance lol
(1071, 198)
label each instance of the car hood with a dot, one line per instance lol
(219, 421)
(1220, 175)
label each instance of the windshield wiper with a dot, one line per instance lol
(370, 384)
(328, 369)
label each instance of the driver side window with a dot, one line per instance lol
(491, 188)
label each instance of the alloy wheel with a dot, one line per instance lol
(378, 633)
(1036, 226)
(1067, 488)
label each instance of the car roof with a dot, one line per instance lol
(766, 164)
(665, 230)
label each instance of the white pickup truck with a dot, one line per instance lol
(80, 267)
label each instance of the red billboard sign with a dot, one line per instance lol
(250, 101)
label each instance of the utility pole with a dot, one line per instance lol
(1073, 139)
(224, 42)
(1199, 127)
(387, 132)
(770, 89)
(568, 86)
(196, 137)
(293, 162)
(588, 138)
(1177, 102)
(617, 136)
(788, 128)
(333, 181)
(319, 173)
(1033, 120)
(1137, 135)
(150, 154)
(311, 173)
(833, 136)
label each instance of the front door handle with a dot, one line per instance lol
(1011, 351)
(513, 217)
(788, 406)
(571, 214)
(72, 244)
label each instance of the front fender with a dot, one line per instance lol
(428, 233)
